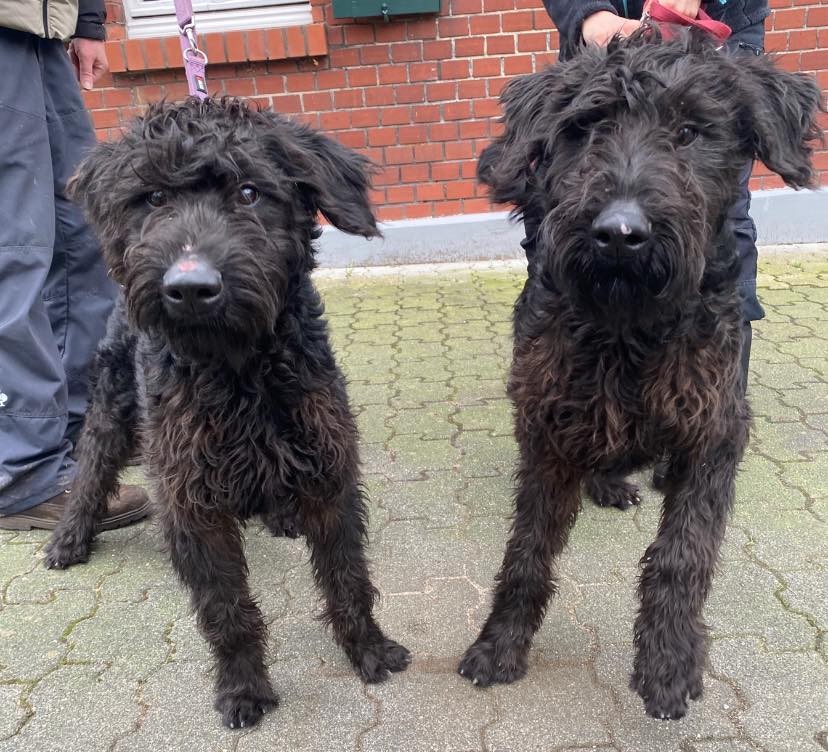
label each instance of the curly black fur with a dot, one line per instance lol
(618, 359)
(241, 409)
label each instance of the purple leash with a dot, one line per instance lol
(195, 60)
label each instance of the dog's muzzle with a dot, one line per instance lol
(191, 287)
(621, 231)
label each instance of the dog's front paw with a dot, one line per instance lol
(375, 661)
(609, 491)
(667, 702)
(242, 710)
(66, 549)
(486, 663)
(282, 524)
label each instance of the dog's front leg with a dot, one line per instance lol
(677, 569)
(208, 556)
(336, 533)
(546, 506)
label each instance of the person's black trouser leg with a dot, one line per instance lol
(54, 293)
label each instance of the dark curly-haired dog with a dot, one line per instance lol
(628, 331)
(217, 353)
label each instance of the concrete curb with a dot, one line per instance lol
(784, 218)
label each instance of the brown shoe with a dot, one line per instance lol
(130, 505)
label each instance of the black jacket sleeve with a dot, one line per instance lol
(91, 18)
(568, 16)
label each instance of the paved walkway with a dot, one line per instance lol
(106, 656)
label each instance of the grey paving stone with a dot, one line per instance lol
(552, 706)
(424, 712)
(805, 593)
(432, 499)
(31, 635)
(11, 709)
(77, 708)
(783, 720)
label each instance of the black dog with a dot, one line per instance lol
(217, 353)
(628, 332)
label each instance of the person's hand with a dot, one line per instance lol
(602, 26)
(689, 8)
(89, 58)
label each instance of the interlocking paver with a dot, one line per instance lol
(107, 656)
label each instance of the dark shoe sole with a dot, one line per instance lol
(21, 522)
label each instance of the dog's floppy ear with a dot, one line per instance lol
(334, 179)
(508, 164)
(782, 111)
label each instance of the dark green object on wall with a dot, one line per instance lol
(382, 8)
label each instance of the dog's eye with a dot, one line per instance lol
(248, 194)
(157, 198)
(686, 135)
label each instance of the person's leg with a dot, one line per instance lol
(78, 294)
(34, 461)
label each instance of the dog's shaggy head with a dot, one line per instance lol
(632, 153)
(207, 211)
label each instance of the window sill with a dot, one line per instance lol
(160, 53)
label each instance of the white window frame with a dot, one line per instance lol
(156, 18)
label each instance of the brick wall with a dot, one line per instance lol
(418, 95)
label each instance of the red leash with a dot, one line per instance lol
(657, 12)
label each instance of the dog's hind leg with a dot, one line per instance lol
(107, 441)
(677, 569)
(336, 535)
(546, 506)
(207, 553)
(612, 490)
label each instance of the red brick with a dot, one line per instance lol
(406, 52)
(533, 42)
(496, 86)
(359, 34)
(466, 7)
(239, 87)
(541, 20)
(134, 55)
(428, 153)
(362, 77)
(462, 150)
(94, 99)
(453, 27)
(814, 60)
(493, 6)
(275, 44)
(440, 92)
(317, 101)
(396, 115)
(105, 118)
(154, 54)
(471, 89)
(460, 189)
(431, 192)
(295, 41)
(410, 93)
(388, 176)
(399, 155)
(486, 108)
(382, 137)
(331, 79)
(365, 117)
(391, 213)
(447, 208)
(115, 97)
(443, 132)
(486, 67)
(377, 96)
(476, 205)
(411, 134)
(805, 39)
(393, 74)
(457, 110)
(234, 43)
(469, 47)
(423, 28)
(439, 50)
(818, 16)
(474, 129)
(348, 98)
(417, 173)
(520, 20)
(422, 72)
(454, 69)
(486, 24)
(399, 194)
(776, 41)
(353, 140)
(789, 19)
(270, 84)
(445, 170)
(375, 54)
(426, 113)
(335, 35)
(214, 47)
(301, 82)
(500, 45)
(335, 121)
(287, 103)
(390, 32)
(468, 170)
(513, 66)
(317, 39)
(256, 47)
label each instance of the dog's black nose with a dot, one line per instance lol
(191, 286)
(621, 229)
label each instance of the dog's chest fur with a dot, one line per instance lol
(254, 440)
(594, 396)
